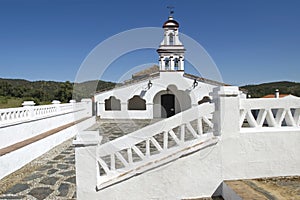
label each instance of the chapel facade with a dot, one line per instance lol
(161, 91)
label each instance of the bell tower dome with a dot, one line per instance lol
(171, 50)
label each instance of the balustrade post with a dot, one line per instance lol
(165, 140)
(57, 105)
(30, 106)
(227, 110)
(87, 170)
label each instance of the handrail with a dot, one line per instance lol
(154, 145)
(11, 116)
(266, 113)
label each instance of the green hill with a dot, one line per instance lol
(284, 87)
(14, 91)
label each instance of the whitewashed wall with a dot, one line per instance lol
(16, 129)
(241, 153)
(18, 124)
(16, 159)
(178, 84)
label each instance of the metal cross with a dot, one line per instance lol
(171, 8)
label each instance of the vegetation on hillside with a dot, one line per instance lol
(284, 87)
(14, 91)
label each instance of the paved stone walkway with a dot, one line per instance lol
(51, 176)
(111, 129)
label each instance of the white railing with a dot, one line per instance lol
(14, 114)
(45, 110)
(154, 145)
(22, 114)
(266, 113)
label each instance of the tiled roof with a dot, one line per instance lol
(143, 76)
(204, 80)
(146, 72)
(273, 95)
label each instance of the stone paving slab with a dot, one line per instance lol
(52, 176)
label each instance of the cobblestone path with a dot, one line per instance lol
(51, 176)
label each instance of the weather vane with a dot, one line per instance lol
(171, 8)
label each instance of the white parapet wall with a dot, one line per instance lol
(18, 124)
(15, 129)
(249, 146)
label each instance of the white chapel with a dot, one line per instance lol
(160, 91)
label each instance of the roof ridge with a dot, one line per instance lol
(205, 80)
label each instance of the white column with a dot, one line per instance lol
(176, 38)
(100, 108)
(181, 65)
(172, 63)
(86, 163)
(160, 63)
(149, 108)
(227, 110)
(124, 106)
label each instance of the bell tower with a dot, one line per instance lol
(171, 50)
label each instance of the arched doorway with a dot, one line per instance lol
(167, 105)
(169, 102)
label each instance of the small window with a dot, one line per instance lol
(112, 103)
(136, 103)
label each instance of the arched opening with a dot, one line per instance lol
(170, 101)
(136, 103)
(176, 61)
(112, 103)
(167, 63)
(205, 99)
(171, 39)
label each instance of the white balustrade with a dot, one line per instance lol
(14, 114)
(154, 145)
(11, 116)
(266, 113)
(46, 110)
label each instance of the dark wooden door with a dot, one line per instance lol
(168, 105)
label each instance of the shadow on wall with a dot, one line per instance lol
(205, 99)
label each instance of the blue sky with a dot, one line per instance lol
(251, 41)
